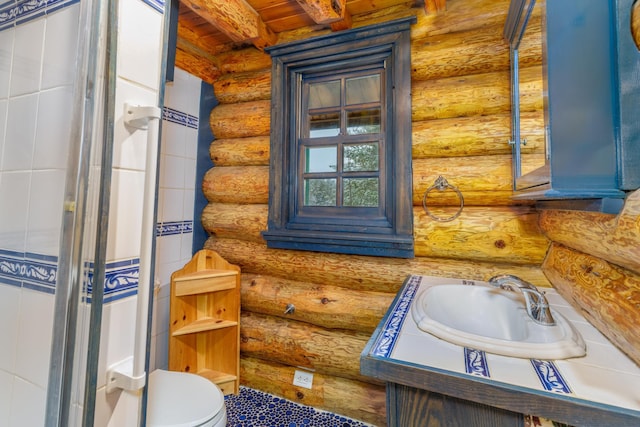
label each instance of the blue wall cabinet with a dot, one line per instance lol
(591, 69)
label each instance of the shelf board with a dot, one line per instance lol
(216, 376)
(205, 281)
(204, 324)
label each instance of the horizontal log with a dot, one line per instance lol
(471, 95)
(455, 137)
(328, 351)
(608, 296)
(245, 222)
(241, 119)
(196, 62)
(483, 180)
(474, 95)
(503, 234)
(478, 173)
(462, 16)
(531, 89)
(499, 234)
(243, 60)
(475, 136)
(234, 184)
(243, 87)
(249, 151)
(460, 53)
(354, 399)
(318, 304)
(613, 238)
(355, 271)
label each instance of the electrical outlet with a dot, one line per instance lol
(303, 379)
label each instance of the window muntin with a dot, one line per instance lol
(337, 111)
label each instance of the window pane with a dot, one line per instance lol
(361, 192)
(321, 159)
(325, 94)
(323, 125)
(365, 121)
(363, 89)
(361, 157)
(320, 192)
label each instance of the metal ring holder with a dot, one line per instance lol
(441, 184)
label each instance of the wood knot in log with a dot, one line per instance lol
(500, 244)
(325, 300)
(588, 269)
(253, 282)
(299, 395)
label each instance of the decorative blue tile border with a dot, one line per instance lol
(178, 117)
(28, 270)
(40, 273)
(174, 227)
(549, 376)
(14, 13)
(121, 280)
(475, 362)
(22, 11)
(155, 4)
(389, 335)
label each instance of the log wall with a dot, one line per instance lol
(594, 262)
(461, 128)
(461, 125)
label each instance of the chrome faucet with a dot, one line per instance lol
(537, 304)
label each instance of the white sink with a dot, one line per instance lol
(493, 320)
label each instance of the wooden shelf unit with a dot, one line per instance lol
(204, 329)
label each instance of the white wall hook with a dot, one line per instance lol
(120, 376)
(138, 116)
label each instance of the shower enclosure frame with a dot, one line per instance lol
(83, 242)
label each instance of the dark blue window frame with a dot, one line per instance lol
(364, 231)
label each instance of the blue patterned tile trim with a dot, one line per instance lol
(178, 117)
(549, 376)
(121, 280)
(475, 362)
(174, 227)
(40, 273)
(32, 271)
(391, 329)
(155, 4)
(22, 11)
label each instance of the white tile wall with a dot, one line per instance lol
(20, 133)
(26, 65)
(52, 130)
(6, 55)
(61, 40)
(175, 201)
(35, 332)
(37, 65)
(14, 192)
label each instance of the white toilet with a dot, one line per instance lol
(179, 399)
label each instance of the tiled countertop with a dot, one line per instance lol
(604, 379)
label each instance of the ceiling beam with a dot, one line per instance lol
(435, 6)
(324, 11)
(235, 18)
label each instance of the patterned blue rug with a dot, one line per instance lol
(252, 408)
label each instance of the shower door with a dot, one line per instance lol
(48, 207)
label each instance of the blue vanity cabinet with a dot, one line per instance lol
(591, 69)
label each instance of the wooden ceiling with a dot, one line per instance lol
(207, 28)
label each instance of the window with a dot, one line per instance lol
(340, 172)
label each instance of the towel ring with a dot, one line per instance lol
(441, 184)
